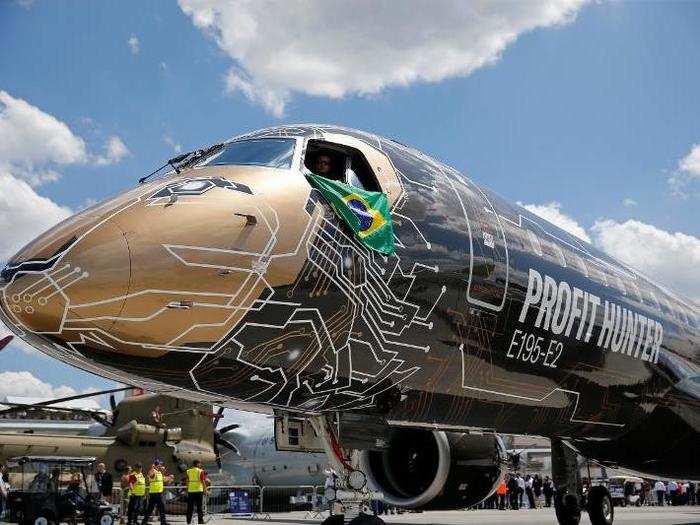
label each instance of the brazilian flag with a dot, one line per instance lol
(366, 212)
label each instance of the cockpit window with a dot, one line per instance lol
(270, 153)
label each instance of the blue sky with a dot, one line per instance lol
(586, 116)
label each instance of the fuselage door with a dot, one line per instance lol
(488, 252)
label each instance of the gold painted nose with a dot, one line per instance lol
(54, 283)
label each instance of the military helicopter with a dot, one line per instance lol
(140, 427)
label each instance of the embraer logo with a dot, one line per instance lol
(562, 307)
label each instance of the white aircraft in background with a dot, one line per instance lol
(259, 462)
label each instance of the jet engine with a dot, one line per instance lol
(433, 469)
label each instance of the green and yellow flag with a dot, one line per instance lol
(366, 212)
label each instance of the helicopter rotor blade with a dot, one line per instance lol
(228, 428)
(5, 341)
(216, 453)
(47, 404)
(229, 445)
(218, 415)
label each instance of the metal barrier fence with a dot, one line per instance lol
(243, 500)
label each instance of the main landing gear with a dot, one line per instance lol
(569, 500)
(350, 489)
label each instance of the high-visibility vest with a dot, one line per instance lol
(502, 489)
(156, 484)
(140, 485)
(194, 480)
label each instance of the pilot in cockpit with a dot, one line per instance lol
(323, 166)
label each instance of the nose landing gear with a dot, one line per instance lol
(569, 500)
(350, 488)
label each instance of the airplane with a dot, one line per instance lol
(226, 277)
(259, 462)
(141, 427)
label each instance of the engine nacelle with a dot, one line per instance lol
(433, 469)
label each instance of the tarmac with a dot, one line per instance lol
(628, 515)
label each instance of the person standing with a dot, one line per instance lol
(548, 490)
(671, 489)
(529, 491)
(521, 490)
(692, 493)
(137, 492)
(660, 489)
(537, 489)
(197, 483)
(513, 490)
(104, 481)
(157, 477)
(4, 492)
(501, 491)
(125, 493)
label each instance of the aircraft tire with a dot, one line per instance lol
(335, 519)
(366, 519)
(567, 509)
(600, 506)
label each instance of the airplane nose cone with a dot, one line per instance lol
(52, 282)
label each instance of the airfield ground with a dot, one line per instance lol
(626, 516)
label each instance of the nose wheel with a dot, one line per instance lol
(600, 506)
(567, 509)
(569, 500)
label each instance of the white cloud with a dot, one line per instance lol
(31, 141)
(134, 45)
(177, 147)
(628, 202)
(24, 214)
(25, 384)
(670, 258)
(33, 144)
(334, 48)
(552, 213)
(688, 173)
(691, 162)
(115, 150)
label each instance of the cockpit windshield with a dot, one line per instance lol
(268, 152)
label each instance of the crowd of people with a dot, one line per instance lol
(517, 491)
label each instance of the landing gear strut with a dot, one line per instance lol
(569, 500)
(351, 490)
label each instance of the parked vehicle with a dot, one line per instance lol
(626, 490)
(48, 490)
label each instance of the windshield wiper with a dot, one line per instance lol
(184, 160)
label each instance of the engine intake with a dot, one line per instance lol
(433, 469)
